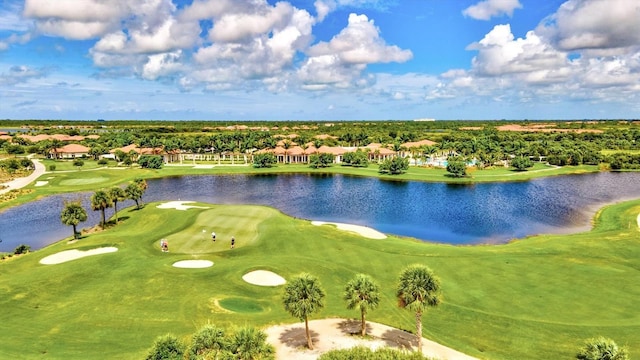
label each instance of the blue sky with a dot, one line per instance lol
(319, 59)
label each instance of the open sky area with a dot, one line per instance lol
(319, 60)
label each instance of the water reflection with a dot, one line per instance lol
(457, 214)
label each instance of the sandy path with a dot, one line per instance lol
(331, 334)
(69, 255)
(361, 230)
(24, 181)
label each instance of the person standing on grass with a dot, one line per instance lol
(233, 242)
(213, 236)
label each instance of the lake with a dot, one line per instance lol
(454, 214)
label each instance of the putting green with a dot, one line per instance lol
(93, 180)
(241, 305)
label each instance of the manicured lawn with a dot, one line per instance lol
(537, 298)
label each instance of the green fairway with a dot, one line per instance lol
(537, 298)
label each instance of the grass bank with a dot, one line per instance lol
(537, 298)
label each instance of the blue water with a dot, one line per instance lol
(455, 214)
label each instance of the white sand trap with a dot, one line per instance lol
(638, 220)
(41, 183)
(263, 278)
(203, 166)
(193, 264)
(179, 205)
(361, 230)
(75, 254)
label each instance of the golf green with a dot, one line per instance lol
(531, 299)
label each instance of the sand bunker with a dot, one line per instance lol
(41, 183)
(193, 264)
(361, 230)
(179, 205)
(264, 278)
(638, 220)
(74, 254)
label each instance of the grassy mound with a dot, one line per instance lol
(530, 299)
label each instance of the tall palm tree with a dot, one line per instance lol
(364, 294)
(101, 201)
(116, 194)
(304, 296)
(418, 289)
(73, 214)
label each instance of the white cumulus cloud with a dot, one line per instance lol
(485, 10)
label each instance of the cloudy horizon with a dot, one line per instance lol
(319, 60)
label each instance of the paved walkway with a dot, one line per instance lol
(24, 181)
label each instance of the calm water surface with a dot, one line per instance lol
(456, 214)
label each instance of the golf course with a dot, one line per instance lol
(537, 298)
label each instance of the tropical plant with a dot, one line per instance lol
(101, 201)
(362, 293)
(417, 290)
(303, 296)
(73, 214)
(456, 166)
(134, 192)
(602, 348)
(251, 344)
(265, 160)
(150, 161)
(208, 342)
(521, 163)
(22, 249)
(117, 194)
(361, 352)
(394, 166)
(321, 160)
(166, 347)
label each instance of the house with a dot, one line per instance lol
(70, 151)
(135, 151)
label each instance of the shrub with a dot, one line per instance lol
(78, 163)
(265, 160)
(52, 168)
(150, 161)
(601, 348)
(360, 352)
(22, 249)
(395, 166)
(321, 160)
(166, 347)
(103, 161)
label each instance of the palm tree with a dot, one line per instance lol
(364, 294)
(304, 296)
(601, 348)
(251, 344)
(117, 194)
(208, 342)
(100, 201)
(418, 289)
(73, 214)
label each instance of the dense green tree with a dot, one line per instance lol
(264, 160)
(321, 160)
(101, 201)
(601, 348)
(150, 161)
(358, 158)
(417, 290)
(521, 163)
(362, 293)
(78, 163)
(303, 296)
(166, 347)
(394, 166)
(73, 214)
(456, 166)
